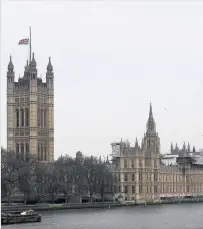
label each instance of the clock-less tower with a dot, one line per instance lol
(30, 113)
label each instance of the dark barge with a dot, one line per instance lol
(28, 216)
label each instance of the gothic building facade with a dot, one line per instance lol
(30, 113)
(140, 174)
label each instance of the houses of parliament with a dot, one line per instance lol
(30, 113)
(142, 175)
(139, 170)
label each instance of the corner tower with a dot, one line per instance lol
(30, 113)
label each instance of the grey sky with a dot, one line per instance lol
(110, 60)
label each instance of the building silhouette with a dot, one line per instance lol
(141, 175)
(30, 113)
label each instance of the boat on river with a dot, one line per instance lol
(27, 216)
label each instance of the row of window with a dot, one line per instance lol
(21, 99)
(181, 188)
(22, 148)
(148, 189)
(140, 190)
(149, 177)
(42, 152)
(22, 151)
(41, 117)
(148, 163)
(22, 117)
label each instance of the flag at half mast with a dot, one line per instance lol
(24, 41)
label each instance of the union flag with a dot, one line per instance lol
(24, 41)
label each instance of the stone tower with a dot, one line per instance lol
(151, 138)
(30, 113)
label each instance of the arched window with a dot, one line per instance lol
(17, 150)
(17, 118)
(27, 117)
(41, 117)
(22, 117)
(45, 153)
(42, 158)
(22, 150)
(27, 151)
(38, 117)
(148, 144)
(38, 153)
(45, 118)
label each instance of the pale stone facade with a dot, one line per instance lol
(30, 113)
(141, 176)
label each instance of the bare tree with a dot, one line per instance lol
(52, 178)
(39, 180)
(90, 174)
(9, 173)
(26, 178)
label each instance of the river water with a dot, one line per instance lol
(180, 216)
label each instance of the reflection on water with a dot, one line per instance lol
(180, 216)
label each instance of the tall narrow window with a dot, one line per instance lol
(38, 117)
(27, 117)
(22, 117)
(45, 153)
(41, 118)
(126, 177)
(38, 153)
(22, 151)
(17, 150)
(17, 118)
(45, 120)
(42, 158)
(27, 151)
(148, 144)
(125, 163)
(133, 177)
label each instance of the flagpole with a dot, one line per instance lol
(30, 44)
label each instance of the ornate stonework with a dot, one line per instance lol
(30, 113)
(141, 176)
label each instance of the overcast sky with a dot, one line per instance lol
(110, 60)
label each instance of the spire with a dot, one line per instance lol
(188, 147)
(171, 147)
(150, 111)
(49, 66)
(184, 147)
(32, 65)
(10, 72)
(33, 62)
(49, 73)
(26, 66)
(10, 65)
(136, 144)
(151, 126)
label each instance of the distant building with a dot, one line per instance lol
(141, 174)
(30, 113)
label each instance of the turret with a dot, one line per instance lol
(184, 147)
(176, 149)
(10, 72)
(188, 148)
(136, 144)
(172, 148)
(151, 126)
(32, 67)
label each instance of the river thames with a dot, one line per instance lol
(180, 216)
